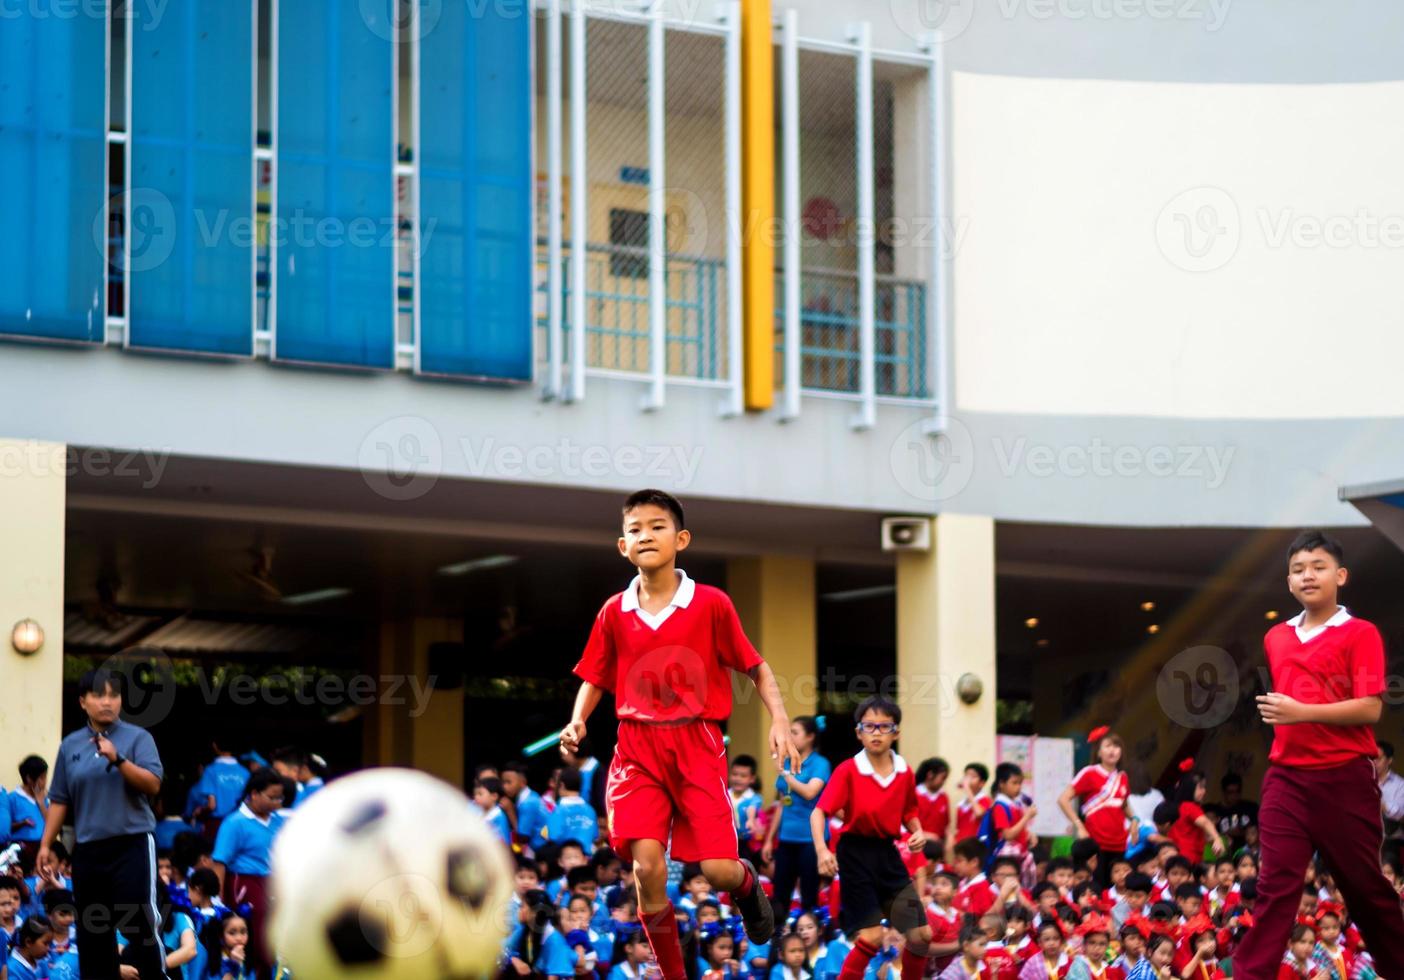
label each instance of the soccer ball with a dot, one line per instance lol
(389, 874)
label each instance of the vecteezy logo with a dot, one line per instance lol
(385, 20)
(401, 458)
(1198, 229)
(150, 224)
(945, 18)
(149, 686)
(1198, 688)
(933, 459)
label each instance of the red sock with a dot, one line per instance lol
(661, 928)
(855, 964)
(913, 965)
(748, 883)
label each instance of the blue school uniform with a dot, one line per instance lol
(757, 951)
(169, 829)
(180, 924)
(21, 969)
(62, 964)
(573, 819)
(531, 816)
(305, 790)
(557, 959)
(23, 807)
(624, 971)
(224, 779)
(744, 809)
(244, 842)
(778, 972)
(794, 814)
(500, 825)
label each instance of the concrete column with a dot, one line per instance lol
(32, 504)
(775, 599)
(945, 629)
(425, 734)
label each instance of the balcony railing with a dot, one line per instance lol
(617, 309)
(830, 355)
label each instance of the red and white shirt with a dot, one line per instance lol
(934, 810)
(671, 666)
(945, 928)
(1340, 660)
(968, 815)
(872, 805)
(975, 896)
(1103, 796)
(1008, 812)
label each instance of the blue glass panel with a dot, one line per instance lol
(53, 145)
(192, 219)
(336, 184)
(475, 191)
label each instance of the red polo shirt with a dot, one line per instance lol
(1337, 662)
(872, 805)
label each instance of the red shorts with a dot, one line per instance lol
(669, 783)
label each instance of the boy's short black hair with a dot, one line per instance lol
(32, 768)
(603, 857)
(1082, 888)
(691, 870)
(657, 498)
(878, 704)
(1386, 748)
(1019, 914)
(1137, 882)
(1313, 538)
(1084, 849)
(492, 784)
(711, 901)
(101, 680)
(516, 765)
(289, 755)
(1232, 779)
(1006, 771)
(619, 897)
(1058, 864)
(970, 849)
(1167, 812)
(57, 898)
(579, 875)
(749, 761)
(569, 842)
(950, 876)
(525, 863)
(1007, 861)
(1188, 890)
(1121, 859)
(934, 766)
(569, 779)
(1310, 889)
(205, 880)
(970, 932)
(8, 884)
(1248, 889)
(1163, 910)
(1043, 888)
(981, 770)
(1180, 861)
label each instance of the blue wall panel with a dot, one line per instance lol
(475, 191)
(335, 184)
(191, 266)
(53, 146)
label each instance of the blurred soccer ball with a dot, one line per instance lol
(389, 874)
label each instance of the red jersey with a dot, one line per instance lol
(913, 861)
(1006, 814)
(673, 670)
(1338, 662)
(1103, 796)
(975, 896)
(945, 928)
(934, 809)
(968, 816)
(872, 805)
(1187, 835)
(1001, 962)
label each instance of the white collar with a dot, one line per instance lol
(21, 791)
(244, 809)
(899, 765)
(629, 602)
(227, 760)
(1341, 615)
(1007, 801)
(746, 794)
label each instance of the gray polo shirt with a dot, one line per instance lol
(100, 802)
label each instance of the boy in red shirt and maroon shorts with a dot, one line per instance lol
(876, 792)
(666, 648)
(1328, 675)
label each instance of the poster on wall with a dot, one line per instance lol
(1048, 768)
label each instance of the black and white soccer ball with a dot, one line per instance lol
(389, 874)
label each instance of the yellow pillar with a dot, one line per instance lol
(412, 725)
(32, 502)
(758, 200)
(946, 629)
(774, 597)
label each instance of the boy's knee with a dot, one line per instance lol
(651, 872)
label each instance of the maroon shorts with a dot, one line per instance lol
(669, 783)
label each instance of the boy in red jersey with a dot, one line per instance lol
(666, 648)
(1327, 679)
(876, 792)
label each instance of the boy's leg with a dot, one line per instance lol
(865, 947)
(1349, 835)
(139, 915)
(93, 900)
(1286, 852)
(656, 912)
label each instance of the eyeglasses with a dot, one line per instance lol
(877, 727)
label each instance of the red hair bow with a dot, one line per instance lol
(1187, 764)
(1197, 927)
(1307, 920)
(1140, 923)
(1097, 734)
(1094, 923)
(1330, 908)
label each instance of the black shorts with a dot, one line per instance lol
(874, 885)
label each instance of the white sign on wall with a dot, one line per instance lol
(1048, 768)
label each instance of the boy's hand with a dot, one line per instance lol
(1280, 709)
(916, 841)
(521, 967)
(828, 864)
(572, 735)
(105, 748)
(782, 746)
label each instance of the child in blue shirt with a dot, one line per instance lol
(241, 855)
(225, 943)
(719, 958)
(573, 818)
(791, 964)
(62, 962)
(10, 919)
(29, 803)
(29, 949)
(487, 793)
(637, 963)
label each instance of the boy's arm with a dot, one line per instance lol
(781, 745)
(818, 819)
(1282, 709)
(586, 700)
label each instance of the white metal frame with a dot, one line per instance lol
(417, 218)
(579, 197)
(253, 178)
(554, 178)
(657, 213)
(395, 189)
(790, 128)
(270, 337)
(126, 181)
(111, 137)
(866, 416)
(735, 402)
(939, 329)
